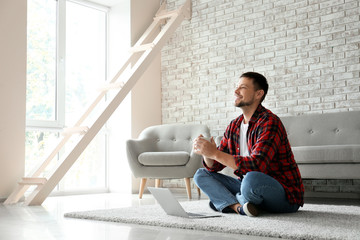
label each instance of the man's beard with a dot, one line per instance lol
(244, 104)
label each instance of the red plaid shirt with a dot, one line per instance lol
(269, 149)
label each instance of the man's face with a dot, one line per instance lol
(245, 93)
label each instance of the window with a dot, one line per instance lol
(65, 67)
(41, 61)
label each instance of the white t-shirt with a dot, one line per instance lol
(244, 151)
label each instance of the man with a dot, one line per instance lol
(256, 147)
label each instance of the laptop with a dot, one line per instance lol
(171, 205)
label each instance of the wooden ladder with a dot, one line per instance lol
(141, 55)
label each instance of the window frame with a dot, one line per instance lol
(58, 124)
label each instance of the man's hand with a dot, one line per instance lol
(206, 149)
(210, 153)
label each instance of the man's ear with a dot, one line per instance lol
(260, 93)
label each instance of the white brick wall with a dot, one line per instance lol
(309, 50)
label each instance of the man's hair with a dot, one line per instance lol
(259, 81)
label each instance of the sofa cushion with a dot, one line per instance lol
(178, 158)
(327, 154)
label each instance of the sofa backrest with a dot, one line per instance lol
(323, 129)
(173, 137)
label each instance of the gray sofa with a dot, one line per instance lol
(325, 146)
(165, 152)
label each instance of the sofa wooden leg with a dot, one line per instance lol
(188, 187)
(199, 191)
(157, 183)
(142, 187)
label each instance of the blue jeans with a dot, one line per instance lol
(256, 187)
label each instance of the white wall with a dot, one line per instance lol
(308, 50)
(12, 93)
(146, 95)
(142, 108)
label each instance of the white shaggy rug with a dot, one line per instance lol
(310, 222)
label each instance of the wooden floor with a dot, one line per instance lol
(47, 221)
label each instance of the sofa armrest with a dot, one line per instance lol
(135, 147)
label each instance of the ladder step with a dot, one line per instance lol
(166, 14)
(74, 130)
(142, 48)
(33, 181)
(110, 86)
